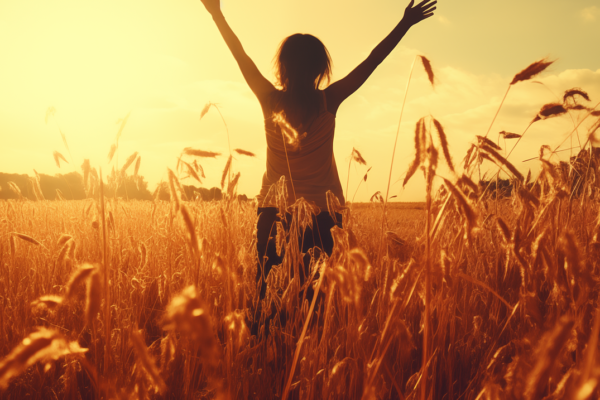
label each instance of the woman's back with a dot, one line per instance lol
(303, 154)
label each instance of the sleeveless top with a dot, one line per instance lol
(310, 156)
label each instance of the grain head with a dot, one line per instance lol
(532, 70)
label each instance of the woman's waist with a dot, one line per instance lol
(313, 174)
(296, 190)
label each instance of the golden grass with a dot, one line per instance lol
(144, 298)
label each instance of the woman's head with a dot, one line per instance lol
(302, 62)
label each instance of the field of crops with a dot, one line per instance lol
(469, 296)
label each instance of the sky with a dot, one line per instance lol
(162, 61)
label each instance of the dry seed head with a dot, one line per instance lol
(225, 172)
(503, 228)
(361, 261)
(168, 347)
(531, 71)
(528, 196)
(469, 213)
(444, 263)
(57, 157)
(568, 244)
(577, 107)
(174, 195)
(367, 173)
(192, 172)
(187, 314)
(245, 152)
(128, 162)
(357, 157)
(232, 185)
(15, 189)
(93, 297)
(543, 149)
(428, 69)
(94, 174)
(199, 168)
(444, 143)
(49, 301)
(111, 221)
(572, 93)
(43, 345)
(550, 110)
(432, 162)
(37, 190)
(485, 141)
(468, 159)
(143, 256)
(503, 161)
(26, 238)
(200, 153)
(218, 267)
(465, 180)
(13, 246)
(486, 157)
(86, 172)
(536, 248)
(78, 276)
(509, 135)
(205, 109)
(550, 170)
(72, 248)
(333, 205)
(192, 237)
(376, 196)
(63, 251)
(156, 192)
(137, 166)
(235, 323)
(64, 238)
(280, 238)
(111, 152)
(146, 361)
(59, 195)
(420, 143)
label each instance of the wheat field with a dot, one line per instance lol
(474, 295)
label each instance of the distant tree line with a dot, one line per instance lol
(193, 192)
(71, 187)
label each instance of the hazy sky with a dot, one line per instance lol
(164, 60)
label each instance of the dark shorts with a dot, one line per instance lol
(319, 236)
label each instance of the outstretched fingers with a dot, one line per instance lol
(424, 4)
(429, 8)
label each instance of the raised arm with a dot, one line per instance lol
(340, 90)
(257, 82)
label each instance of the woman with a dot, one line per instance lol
(300, 124)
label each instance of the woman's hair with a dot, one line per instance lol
(302, 60)
(302, 65)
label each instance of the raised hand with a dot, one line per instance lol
(212, 6)
(416, 14)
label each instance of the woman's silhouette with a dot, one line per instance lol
(300, 123)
